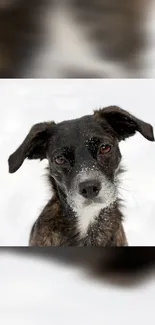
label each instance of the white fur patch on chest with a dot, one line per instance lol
(88, 215)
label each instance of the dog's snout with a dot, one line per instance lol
(90, 189)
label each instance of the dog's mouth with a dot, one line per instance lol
(95, 201)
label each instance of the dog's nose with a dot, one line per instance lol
(90, 189)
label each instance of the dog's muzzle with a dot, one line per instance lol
(90, 188)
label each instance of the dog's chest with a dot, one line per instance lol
(96, 229)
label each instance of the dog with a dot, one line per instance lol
(84, 165)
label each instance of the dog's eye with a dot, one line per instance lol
(105, 148)
(60, 160)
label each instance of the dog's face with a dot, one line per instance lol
(83, 155)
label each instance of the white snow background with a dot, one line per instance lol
(35, 291)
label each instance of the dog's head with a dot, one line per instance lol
(83, 154)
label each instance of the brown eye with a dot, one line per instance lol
(60, 160)
(105, 148)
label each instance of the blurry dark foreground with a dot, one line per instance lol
(123, 266)
(73, 38)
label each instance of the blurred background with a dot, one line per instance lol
(77, 38)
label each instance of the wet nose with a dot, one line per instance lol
(90, 189)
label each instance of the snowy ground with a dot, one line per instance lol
(24, 194)
(37, 291)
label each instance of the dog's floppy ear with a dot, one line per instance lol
(33, 147)
(123, 123)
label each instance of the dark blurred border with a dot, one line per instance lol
(119, 266)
